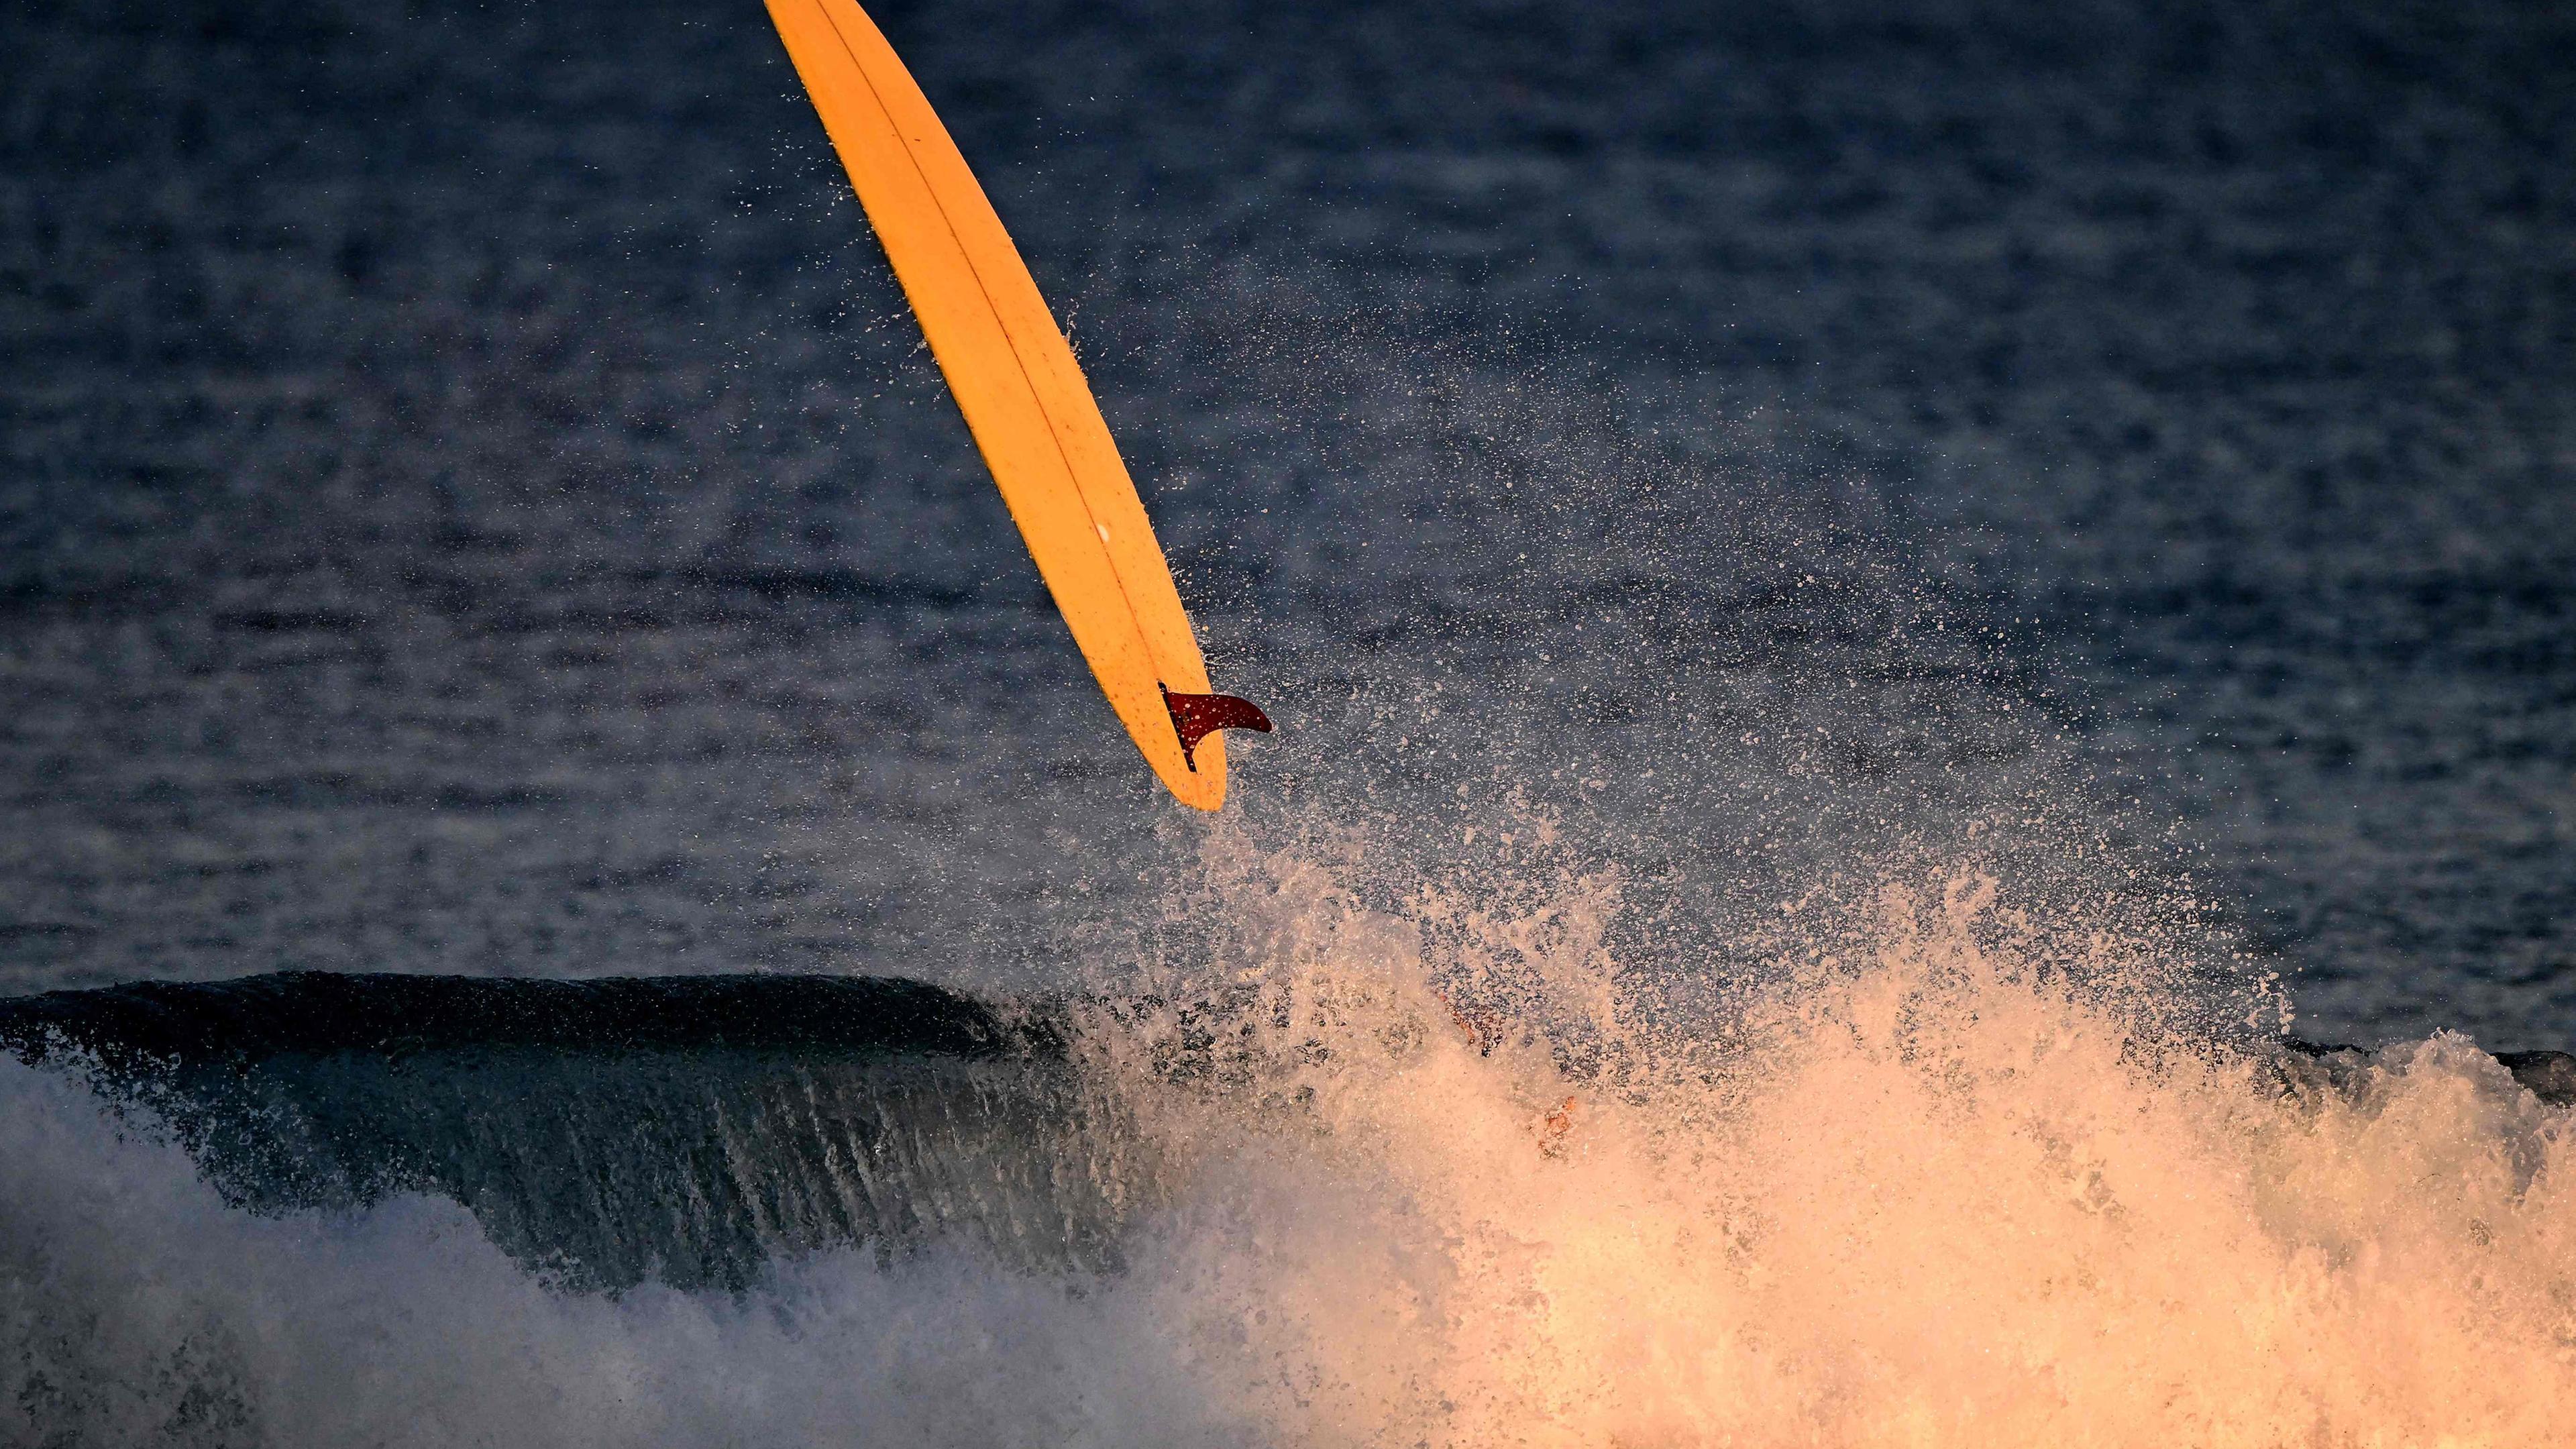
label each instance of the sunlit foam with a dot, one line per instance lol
(1932, 1185)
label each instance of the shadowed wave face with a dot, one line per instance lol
(695, 1130)
(608, 1131)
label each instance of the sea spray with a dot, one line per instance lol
(1959, 1179)
(1454, 1171)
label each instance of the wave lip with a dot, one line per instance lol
(324, 1012)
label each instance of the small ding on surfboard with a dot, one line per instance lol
(1014, 377)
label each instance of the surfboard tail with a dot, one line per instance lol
(1023, 394)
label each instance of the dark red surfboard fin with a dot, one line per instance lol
(1196, 716)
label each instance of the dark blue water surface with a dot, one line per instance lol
(472, 501)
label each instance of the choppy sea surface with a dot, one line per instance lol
(1881, 618)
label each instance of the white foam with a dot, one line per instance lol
(1929, 1194)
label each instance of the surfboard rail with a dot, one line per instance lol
(1015, 378)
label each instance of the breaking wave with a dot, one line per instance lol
(1432, 1176)
(602, 1133)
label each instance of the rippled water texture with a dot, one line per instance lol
(1873, 612)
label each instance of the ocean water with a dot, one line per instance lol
(1869, 607)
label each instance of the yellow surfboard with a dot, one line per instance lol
(1014, 377)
